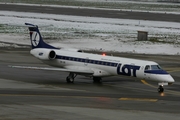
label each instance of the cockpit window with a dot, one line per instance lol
(152, 67)
(147, 67)
(155, 67)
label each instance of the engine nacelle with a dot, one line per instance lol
(43, 54)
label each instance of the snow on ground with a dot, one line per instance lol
(93, 33)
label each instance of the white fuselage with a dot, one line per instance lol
(102, 66)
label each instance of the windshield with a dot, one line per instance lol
(155, 67)
(152, 67)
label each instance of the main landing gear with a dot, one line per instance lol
(97, 79)
(70, 78)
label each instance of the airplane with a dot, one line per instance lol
(92, 65)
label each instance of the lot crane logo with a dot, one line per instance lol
(35, 38)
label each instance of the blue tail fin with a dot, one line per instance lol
(36, 38)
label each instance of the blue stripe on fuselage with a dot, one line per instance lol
(89, 61)
(156, 72)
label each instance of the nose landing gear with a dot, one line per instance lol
(160, 89)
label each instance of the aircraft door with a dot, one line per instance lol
(146, 74)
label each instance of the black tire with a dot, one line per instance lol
(96, 79)
(69, 80)
(160, 89)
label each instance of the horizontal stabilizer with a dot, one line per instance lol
(27, 25)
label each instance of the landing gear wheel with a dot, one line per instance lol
(69, 80)
(160, 89)
(97, 79)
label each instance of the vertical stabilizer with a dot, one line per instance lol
(36, 38)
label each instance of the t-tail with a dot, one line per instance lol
(36, 38)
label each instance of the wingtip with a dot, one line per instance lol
(10, 66)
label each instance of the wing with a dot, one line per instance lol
(76, 71)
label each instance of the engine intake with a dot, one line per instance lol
(52, 55)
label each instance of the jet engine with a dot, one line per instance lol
(44, 54)
(52, 55)
(47, 55)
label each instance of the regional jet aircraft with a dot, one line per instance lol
(92, 65)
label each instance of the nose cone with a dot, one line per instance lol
(165, 78)
(160, 76)
(170, 79)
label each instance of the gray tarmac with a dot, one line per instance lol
(37, 94)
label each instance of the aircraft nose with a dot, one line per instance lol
(165, 78)
(170, 79)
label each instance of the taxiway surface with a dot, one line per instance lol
(37, 94)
